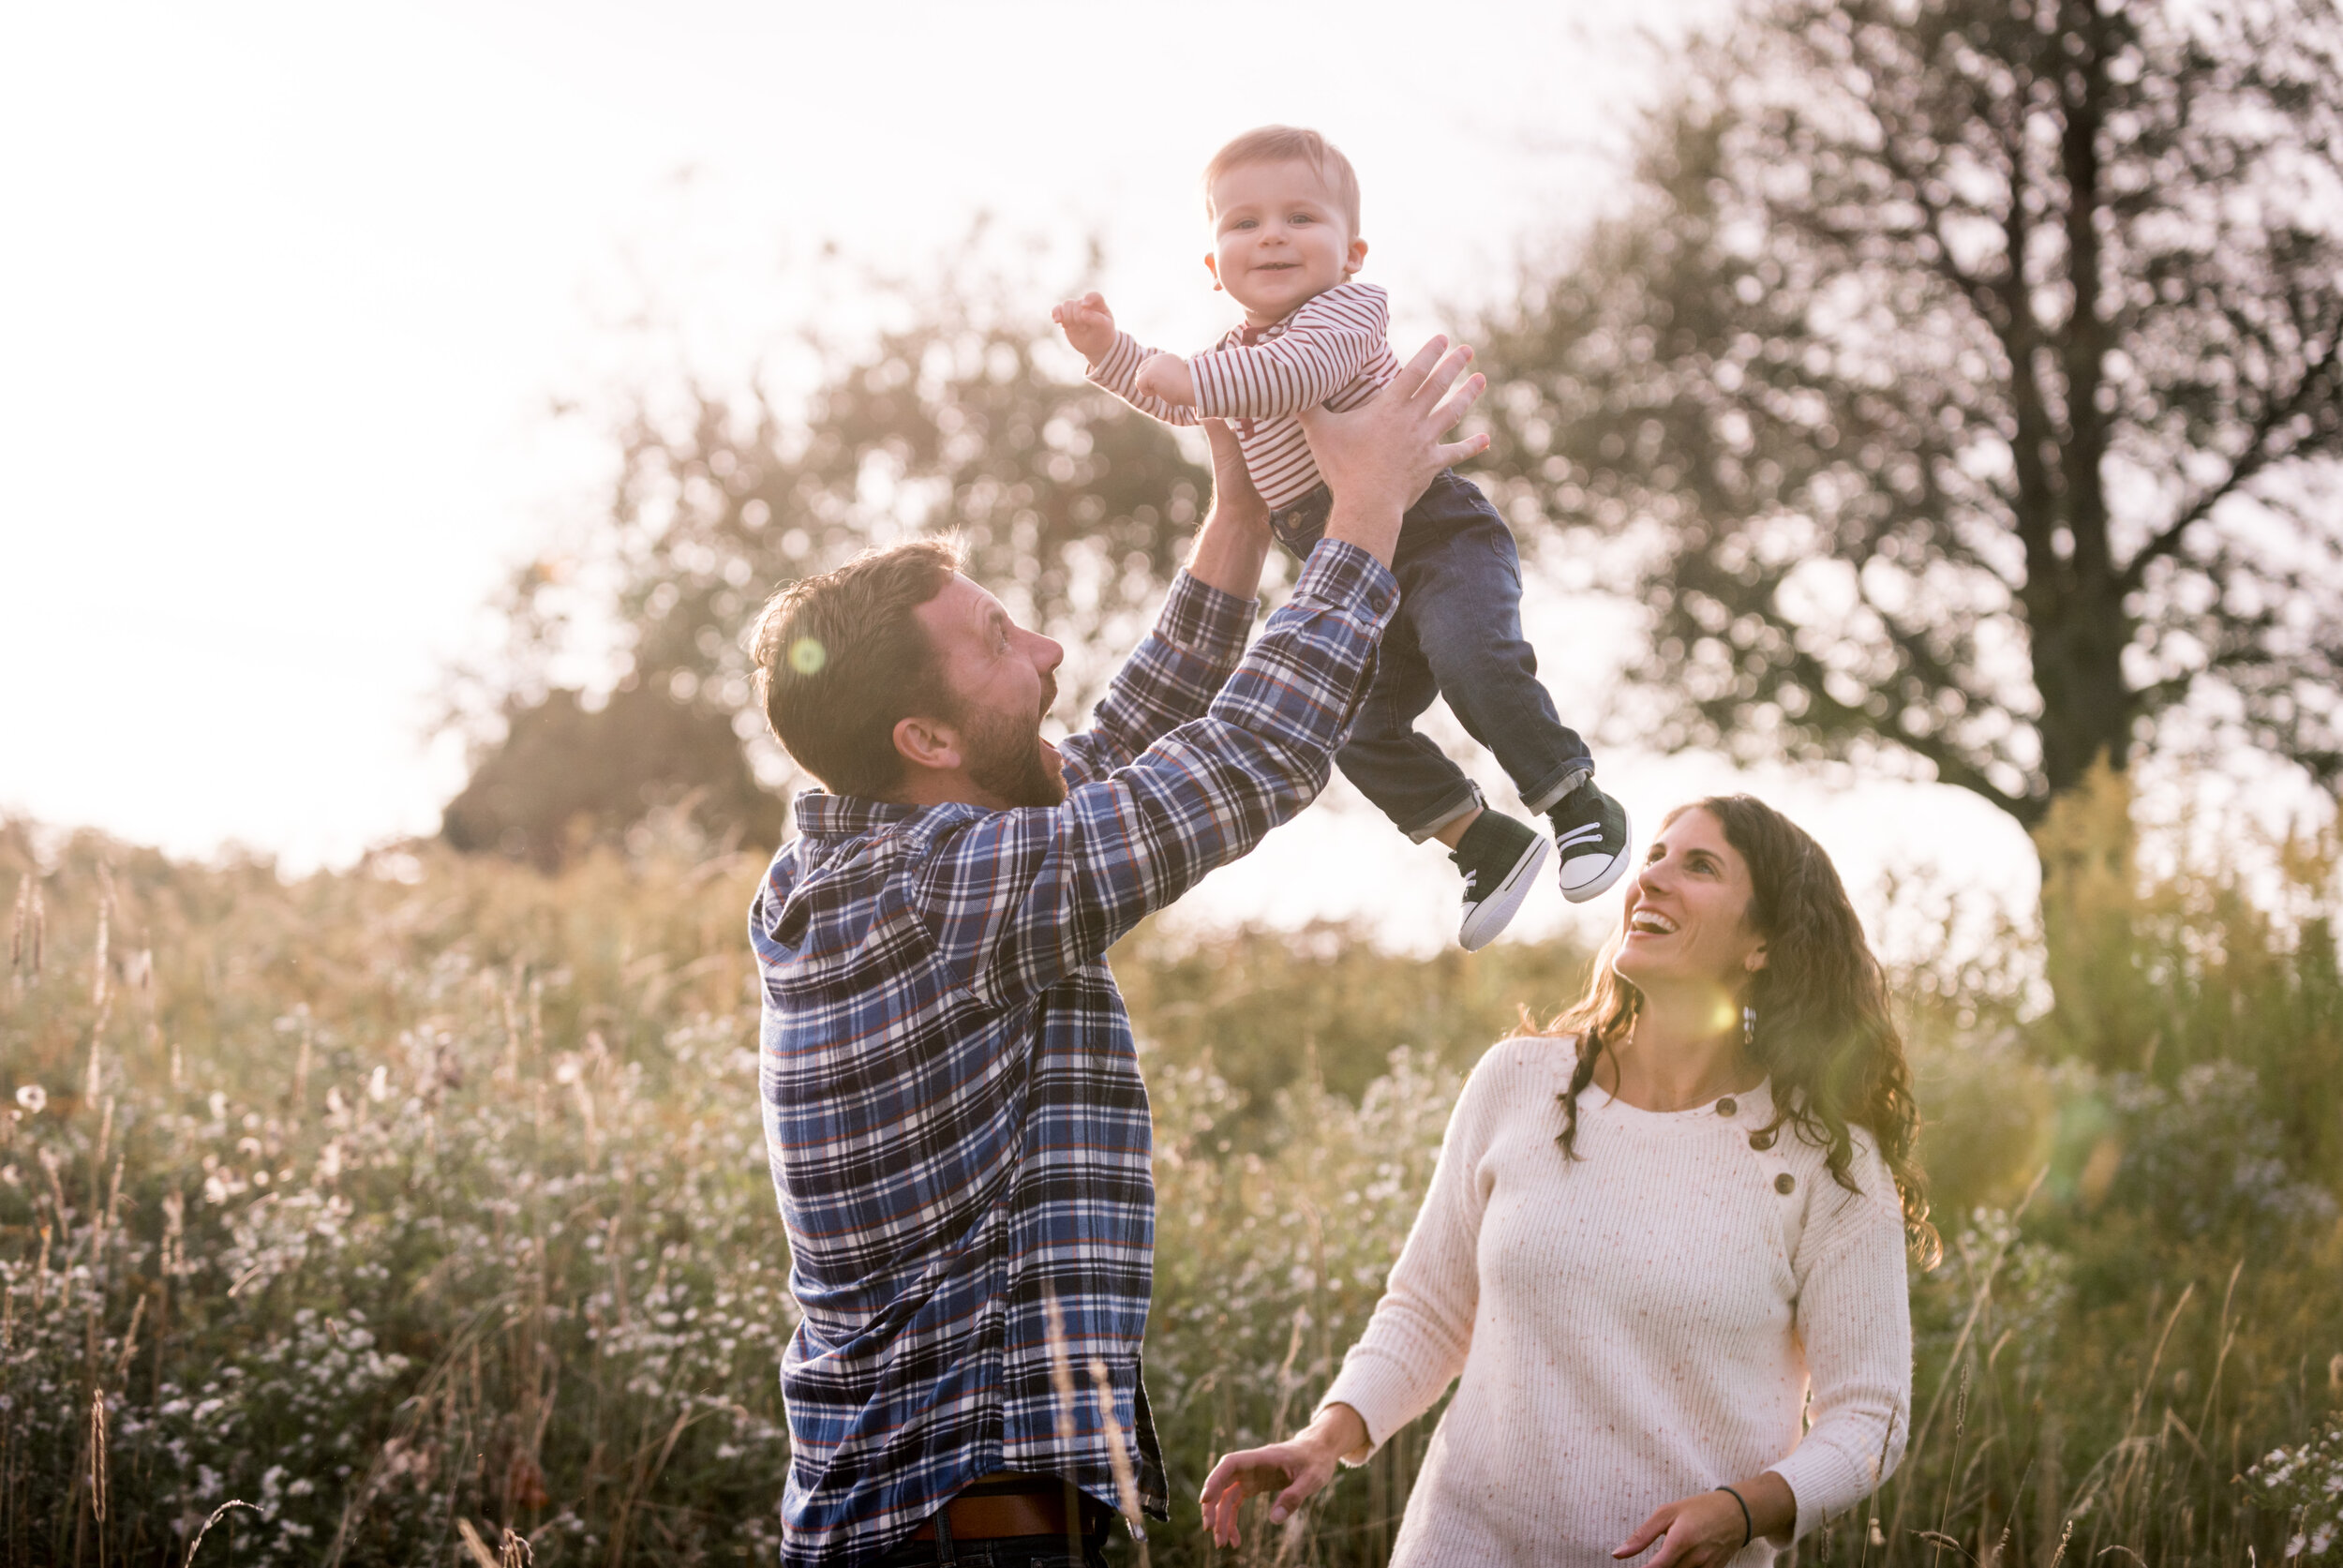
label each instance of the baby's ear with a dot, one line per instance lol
(1356, 259)
(1212, 265)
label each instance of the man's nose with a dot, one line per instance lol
(1048, 653)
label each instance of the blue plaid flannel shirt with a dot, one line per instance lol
(953, 1108)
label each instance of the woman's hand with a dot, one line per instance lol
(1706, 1529)
(1302, 1466)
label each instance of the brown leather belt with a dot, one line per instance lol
(1036, 1508)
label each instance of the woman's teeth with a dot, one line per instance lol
(1653, 923)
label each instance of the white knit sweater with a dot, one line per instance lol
(1632, 1328)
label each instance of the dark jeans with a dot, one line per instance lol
(1009, 1551)
(1458, 633)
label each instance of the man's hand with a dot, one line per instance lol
(1167, 377)
(1295, 1470)
(1379, 458)
(1088, 325)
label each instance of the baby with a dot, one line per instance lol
(1284, 206)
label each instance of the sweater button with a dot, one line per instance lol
(1786, 1184)
(1725, 1105)
(1761, 1140)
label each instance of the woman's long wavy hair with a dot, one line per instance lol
(1823, 1030)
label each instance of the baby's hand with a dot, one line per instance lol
(1167, 377)
(1089, 325)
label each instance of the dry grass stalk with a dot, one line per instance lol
(27, 935)
(473, 1545)
(1118, 1457)
(217, 1513)
(98, 1464)
(1062, 1382)
(101, 972)
(130, 1340)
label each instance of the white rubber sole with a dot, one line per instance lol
(1495, 912)
(1603, 880)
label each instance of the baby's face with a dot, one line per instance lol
(1279, 238)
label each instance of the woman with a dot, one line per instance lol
(1651, 1235)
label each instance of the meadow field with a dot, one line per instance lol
(422, 1210)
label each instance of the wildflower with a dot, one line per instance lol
(32, 1098)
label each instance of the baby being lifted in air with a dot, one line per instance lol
(1284, 206)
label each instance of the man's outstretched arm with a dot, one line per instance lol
(1017, 900)
(1234, 545)
(1199, 634)
(1372, 457)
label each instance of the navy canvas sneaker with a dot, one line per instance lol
(1591, 832)
(1499, 859)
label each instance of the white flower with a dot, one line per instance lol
(32, 1097)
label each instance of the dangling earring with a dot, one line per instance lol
(1749, 1029)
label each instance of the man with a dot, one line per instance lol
(953, 1110)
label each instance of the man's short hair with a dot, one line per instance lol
(1289, 145)
(841, 657)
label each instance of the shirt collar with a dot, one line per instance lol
(821, 815)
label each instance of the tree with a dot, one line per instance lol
(1072, 507)
(1973, 364)
(566, 773)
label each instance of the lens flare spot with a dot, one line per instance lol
(807, 655)
(1725, 1016)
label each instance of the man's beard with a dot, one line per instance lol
(1006, 760)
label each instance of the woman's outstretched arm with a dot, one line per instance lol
(1414, 1346)
(1296, 1469)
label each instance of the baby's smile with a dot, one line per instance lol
(1280, 238)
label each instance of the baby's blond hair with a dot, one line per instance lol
(1289, 145)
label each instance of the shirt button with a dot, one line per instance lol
(1786, 1184)
(1761, 1140)
(1725, 1105)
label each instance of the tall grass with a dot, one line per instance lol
(423, 1212)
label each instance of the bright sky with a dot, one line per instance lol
(288, 292)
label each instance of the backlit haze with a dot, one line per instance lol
(289, 293)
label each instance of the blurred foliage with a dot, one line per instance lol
(1966, 380)
(431, 1195)
(1264, 1010)
(1073, 508)
(1961, 389)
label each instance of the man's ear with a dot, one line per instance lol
(928, 743)
(1212, 265)
(1355, 259)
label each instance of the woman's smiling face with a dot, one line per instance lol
(1687, 913)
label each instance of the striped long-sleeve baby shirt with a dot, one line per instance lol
(1334, 351)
